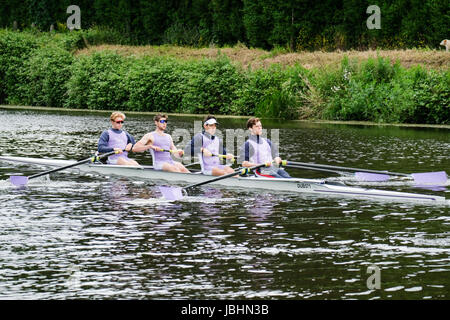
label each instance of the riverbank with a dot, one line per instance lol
(76, 71)
(200, 116)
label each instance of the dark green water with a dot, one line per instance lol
(99, 237)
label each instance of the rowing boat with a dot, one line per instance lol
(299, 185)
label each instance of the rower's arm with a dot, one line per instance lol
(144, 144)
(274, 151)
(130, 138)
(103, 143)
(249, 164)
(244, 156)
(172, 145)
(177, 152)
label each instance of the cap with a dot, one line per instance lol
(211, 121)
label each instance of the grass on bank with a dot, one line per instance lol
(258, 58)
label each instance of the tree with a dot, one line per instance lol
(258, 22)
(227, 25)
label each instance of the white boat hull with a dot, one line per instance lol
(312, 186)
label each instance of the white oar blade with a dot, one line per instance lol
(18, 180)
(365, 176)
(171, 193)
(431, 178)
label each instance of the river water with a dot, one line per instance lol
(89, 236)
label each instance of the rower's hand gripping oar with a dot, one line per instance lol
(218, 155)
(436, 178)
(223, 156)
(169, 150)
(23, 180)
(174, 193)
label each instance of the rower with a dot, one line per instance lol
(161, 146)
(209, 149)
(257, 150)
(116, 139)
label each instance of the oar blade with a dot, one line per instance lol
(171, 193)
(18, 180)
(430, 178)
(365, 176)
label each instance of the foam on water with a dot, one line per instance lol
(403, 181)
(191, 199)
(102, 237)
(147, 202)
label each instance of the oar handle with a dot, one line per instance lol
(224, 156)
(94, 158)
(238, 171)
(324, 166)
(164, 150)
(168, 150)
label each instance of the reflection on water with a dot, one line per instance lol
(91, 236)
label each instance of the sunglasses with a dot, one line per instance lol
(162, 121)
(118, 122)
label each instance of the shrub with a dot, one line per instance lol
(104, 35)
(277, 104)
(70, 41)
(211, 86)
(431, 97)
(96, 82)
(40, 69)
(15, 49)
(155, 85)
(381, 92)
(256, 86)
(46, 74)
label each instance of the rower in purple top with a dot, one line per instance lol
(257, 150)
(116, 139)
(161, 146)
(209, 148)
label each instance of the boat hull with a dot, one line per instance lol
(299, 185)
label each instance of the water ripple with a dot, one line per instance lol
(79, 236)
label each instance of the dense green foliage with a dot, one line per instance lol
(294, 24)
(379, 91)
(211, 86)
(14, 51)
(44, 76)
(40, 69)
(96, 82)
(155, 84)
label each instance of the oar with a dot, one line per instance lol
(174, 193)
(167, 150)
(437, 178)
(23, 180)
(188, 165)
(311, 168)
(164, 150)
(223, 156)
